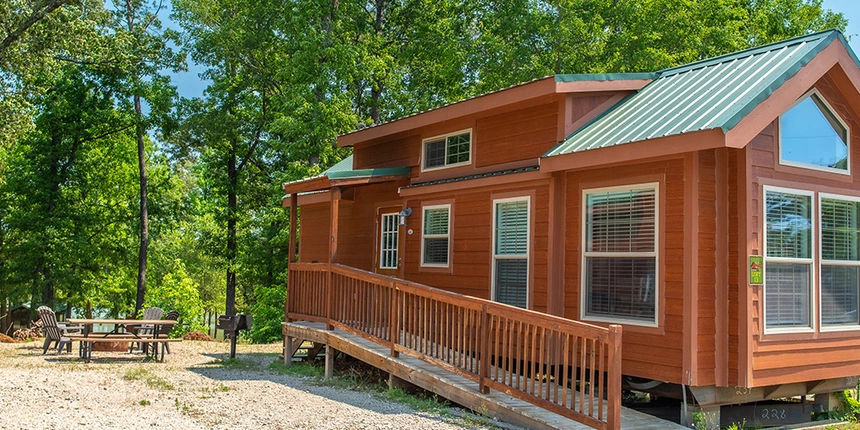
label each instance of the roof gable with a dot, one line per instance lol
(711, 94)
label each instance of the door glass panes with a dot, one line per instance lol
(810, 134)
(389, 240)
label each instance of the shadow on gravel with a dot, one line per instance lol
(352, 377)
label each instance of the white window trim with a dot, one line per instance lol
(527, 254)
(382, 240)
(813, 166)
(445, 136)
(822, 261)
(813, 317)
(583, 293)
(435, 236)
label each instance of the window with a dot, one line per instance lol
(812, 136)
(449, 150)
(840, 261)
(620, 258)
(435, 237)
(511, 251)
(788, 259)
(388, 241)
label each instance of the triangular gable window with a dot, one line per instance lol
(812, 136)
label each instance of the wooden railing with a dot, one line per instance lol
(567, 367)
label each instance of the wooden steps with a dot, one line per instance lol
(451, 386)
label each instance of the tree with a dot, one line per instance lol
(147, 52)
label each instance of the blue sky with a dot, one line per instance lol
(190, 84)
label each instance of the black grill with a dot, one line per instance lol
(232, 324)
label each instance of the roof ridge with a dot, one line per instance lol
(827, 35)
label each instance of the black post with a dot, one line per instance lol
(232, 343)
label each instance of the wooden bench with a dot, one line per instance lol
(86, 351)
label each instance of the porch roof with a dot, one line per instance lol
(706, 95)
(342, 174)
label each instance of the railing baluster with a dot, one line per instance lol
(546, 360)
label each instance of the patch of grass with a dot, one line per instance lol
(152, 381)
(144, 402)
(421, 402)
(186, 408)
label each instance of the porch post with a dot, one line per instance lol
(288, 339)
(334, 211)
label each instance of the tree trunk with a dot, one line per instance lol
(4, 318)
(233, 180)
(144, 213)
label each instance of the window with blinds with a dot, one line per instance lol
(453, 149)
(435, 236)
(620, 254)
(788, 259)
(840, 262)
(511, 251)
(388, 241)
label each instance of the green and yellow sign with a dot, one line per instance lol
(756, 270)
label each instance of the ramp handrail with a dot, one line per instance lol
(565, 366)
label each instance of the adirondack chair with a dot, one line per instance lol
(54, 331)
(152, 313)
(164, 329)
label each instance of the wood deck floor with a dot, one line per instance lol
(456, 388)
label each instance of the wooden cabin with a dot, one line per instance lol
(712, 210)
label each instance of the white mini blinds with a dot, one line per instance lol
(620, 258)
(788, 260)
(840, 262)
(812, 136)
(811, 259)
(511, 251)
(447, 150)
(435, 236)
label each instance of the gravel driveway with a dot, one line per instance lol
(192, 389)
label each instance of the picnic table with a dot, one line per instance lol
(122, 331)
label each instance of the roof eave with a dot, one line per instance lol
(635, 151)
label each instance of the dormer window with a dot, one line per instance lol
(812, 136)
(454, 149)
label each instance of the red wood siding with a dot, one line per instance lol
(784, 358)
(357, 235)
(706, 321)
(470, 258)
(393, 153)
(655, 353)
(520, 135)
(313, 233)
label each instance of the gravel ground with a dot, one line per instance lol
(192, 389)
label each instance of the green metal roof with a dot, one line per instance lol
(475, 176)
(708, 94)
(604, 77)
(343, 170)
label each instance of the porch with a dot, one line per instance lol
(526, 367)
